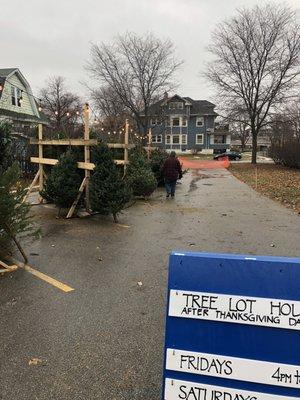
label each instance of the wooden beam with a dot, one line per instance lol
(77, 142)
(37, 175)
(41, 167)
(81, 189)
(80, 164)
(7, 268)
(126, 142)
(65, 142)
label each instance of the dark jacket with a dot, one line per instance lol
(172, 169)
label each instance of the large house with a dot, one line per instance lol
(183, 124)
(17, 103)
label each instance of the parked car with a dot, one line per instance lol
(232, 155)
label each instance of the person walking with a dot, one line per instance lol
(172, 172)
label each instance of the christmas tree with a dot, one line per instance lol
(62, 185)
(6, 157)
(139, 175)
(14, 213)
(108, 192)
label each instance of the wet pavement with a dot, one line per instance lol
(104, 339)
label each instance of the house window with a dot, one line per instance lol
(157, 139)
(175, 121)
(155, 121)
(176, 139)
(176, 105)
(183, 139)
(199, 121)
(199, 138)
(16, 96)
(184, 121)
(219, 139)
(168, 139)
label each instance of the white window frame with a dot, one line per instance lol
(168, 139)
(157, 139)
(179, 123)
(185, 119)
(200, 121)
(16, 96)
(153, 121)
(184, 139)
(176, 105)
(197, 138)
(179, 139)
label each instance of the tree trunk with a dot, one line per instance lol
(254, 146)
(115, 218)
(17, 243)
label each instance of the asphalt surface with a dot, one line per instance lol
(104, 340)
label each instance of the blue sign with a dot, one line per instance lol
(232, 328)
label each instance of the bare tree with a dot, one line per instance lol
(110, 108)
(60, 105)
(138, 69)
(256, 61)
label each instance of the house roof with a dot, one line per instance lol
(198, 107)
(2, 81)
(22, 117)
(5, 72)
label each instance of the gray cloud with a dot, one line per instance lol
(51, 37)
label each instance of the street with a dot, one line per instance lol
(104, 339)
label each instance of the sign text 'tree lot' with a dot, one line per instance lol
(275, 313)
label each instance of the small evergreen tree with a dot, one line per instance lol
(157, 160)
(6, 157)
(63, 183)
(139, 175)
(108, 192)
(14, 213)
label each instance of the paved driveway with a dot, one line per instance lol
(104, 339)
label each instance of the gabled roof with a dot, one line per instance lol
(198, 107)
(5, 72)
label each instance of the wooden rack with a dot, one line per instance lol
(86, 164)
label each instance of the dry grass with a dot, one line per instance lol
(275, 181)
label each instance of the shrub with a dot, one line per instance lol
(287, 154)
(62, 185)
(139, 175)
(108, 192)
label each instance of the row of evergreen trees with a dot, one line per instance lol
(110, 189)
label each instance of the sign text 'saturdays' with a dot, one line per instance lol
(183, 390)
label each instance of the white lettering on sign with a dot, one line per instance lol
(235, 309)
(175, 389)
(241, 369)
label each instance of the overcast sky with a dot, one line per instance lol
(52, 37)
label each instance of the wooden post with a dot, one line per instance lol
(149, 143)
(126, 142)
(256, 177)
(41, 167)
(87, 157)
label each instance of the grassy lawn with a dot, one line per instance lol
(277, 182)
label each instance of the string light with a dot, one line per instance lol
(68, 114)
(56, 112)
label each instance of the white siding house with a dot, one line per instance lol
(17, 103)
